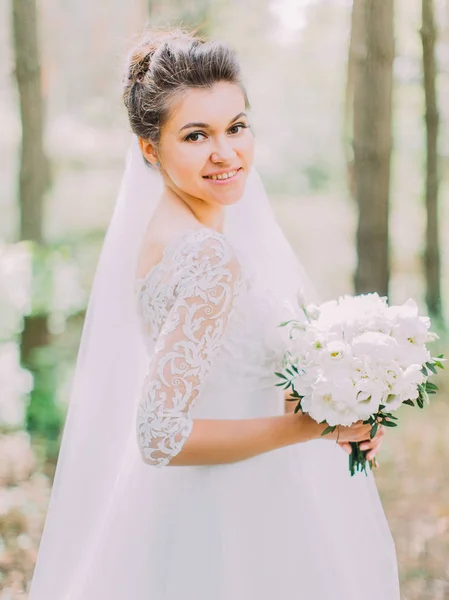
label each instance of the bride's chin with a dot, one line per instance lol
(228, 197)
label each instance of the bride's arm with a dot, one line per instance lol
(214, 441)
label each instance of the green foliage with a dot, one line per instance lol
(44, 417)
(317, 175)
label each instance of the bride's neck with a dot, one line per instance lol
(208, 215)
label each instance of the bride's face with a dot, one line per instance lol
(208, 134)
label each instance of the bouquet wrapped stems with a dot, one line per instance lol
(358, 460)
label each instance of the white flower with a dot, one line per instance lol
(405, 386)
(409, 325)
(312, 311)
(376, 345)
(332, 401)
(370, 395)
(411, 353)
(336, 361)
(336, 351)
(306, 380)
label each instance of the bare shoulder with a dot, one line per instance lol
(159, 235)
(201, 243)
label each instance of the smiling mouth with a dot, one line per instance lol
(223, 176)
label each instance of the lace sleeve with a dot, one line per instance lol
(184, 351)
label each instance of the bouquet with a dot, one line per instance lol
(359, 359)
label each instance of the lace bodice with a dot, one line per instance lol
(186, 310)
(193, 304)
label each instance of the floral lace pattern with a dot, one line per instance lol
(204, 276)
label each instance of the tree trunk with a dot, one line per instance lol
(432, 253)
(356, 50)
(34, 167)
(372, 145)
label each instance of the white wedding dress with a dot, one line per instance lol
(285, 525)
(198, 338)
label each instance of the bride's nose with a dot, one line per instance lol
(223, 152)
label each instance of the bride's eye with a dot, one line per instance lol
(195, 136)
(237, 128)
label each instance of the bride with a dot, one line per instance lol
(183, 471)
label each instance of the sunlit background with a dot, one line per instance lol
(294, 55)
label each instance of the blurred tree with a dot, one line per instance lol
(34, 176)
(432, 253)
(34, 180)
(373, 82)
(356, 49)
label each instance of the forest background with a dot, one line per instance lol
(351, 115)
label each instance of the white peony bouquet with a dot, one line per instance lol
(359, 359)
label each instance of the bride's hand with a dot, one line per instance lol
(373, 445)
(357, 432)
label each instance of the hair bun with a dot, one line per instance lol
(139, 63)
(140, 58)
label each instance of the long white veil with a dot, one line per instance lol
(92, 485)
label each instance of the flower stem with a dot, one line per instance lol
(358, 460)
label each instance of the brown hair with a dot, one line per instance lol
(163, 65)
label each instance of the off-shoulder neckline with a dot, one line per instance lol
(168, 248)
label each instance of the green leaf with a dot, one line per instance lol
(281, 375)
(409, 402)
(298, 408)
(431, 367)
(329, 429)
(285, 323)
(389, 424)
(374, 431)
(431, 386)
(439, 364)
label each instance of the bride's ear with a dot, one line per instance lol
(148, 151)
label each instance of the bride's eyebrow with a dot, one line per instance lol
(206, 126)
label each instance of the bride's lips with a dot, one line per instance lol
(225, 181)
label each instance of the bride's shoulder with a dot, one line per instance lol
(202, 250)
(186, 249)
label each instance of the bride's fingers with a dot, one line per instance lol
(346, 446)
(372, 453)
(375, 441)
(373, 447)
(367, 444)
(370, 446)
